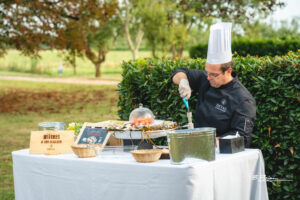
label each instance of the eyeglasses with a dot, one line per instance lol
(213, 75)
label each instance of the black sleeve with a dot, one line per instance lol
(243, 120)
(195, 77)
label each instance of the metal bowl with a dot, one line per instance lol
(198, 143)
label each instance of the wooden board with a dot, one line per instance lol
(51, 142)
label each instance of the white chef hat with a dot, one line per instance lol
(219, 45)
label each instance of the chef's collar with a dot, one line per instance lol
(232, 82)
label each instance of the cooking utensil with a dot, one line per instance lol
(189, 114)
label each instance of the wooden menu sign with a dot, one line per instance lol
(51, 142)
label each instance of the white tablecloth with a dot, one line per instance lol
(119, 176)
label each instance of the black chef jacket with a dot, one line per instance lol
(229, 108)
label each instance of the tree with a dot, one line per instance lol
(259, 29)
(154, 21)
(101, 41)
(289, 29)
(182, 15)
(70, 57)
(67, 24)
(131, 21)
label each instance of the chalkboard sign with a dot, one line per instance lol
(91, 135)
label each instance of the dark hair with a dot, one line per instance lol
(226, 66)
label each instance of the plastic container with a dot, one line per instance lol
(141, 116)
(189, 144)
(232, 145)
(51, 126)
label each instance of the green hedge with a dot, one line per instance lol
(244, 47)
(274, 83)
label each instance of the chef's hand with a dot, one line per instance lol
(217, 141)
(184, 89)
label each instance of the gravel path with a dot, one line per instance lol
(60, 80)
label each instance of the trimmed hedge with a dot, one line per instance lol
(274, 83)
(244, 47)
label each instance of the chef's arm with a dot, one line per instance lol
(177, 77)
(194, 77)
(243, 121)
(184, 88)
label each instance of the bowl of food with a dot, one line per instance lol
(146, 155)
(86, 151)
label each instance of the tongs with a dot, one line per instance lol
(189, 114)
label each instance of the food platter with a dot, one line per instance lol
(124, 130)
(139, 134)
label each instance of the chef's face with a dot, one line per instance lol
(216, 76)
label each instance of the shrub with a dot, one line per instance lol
(262, 47)
(274, 83)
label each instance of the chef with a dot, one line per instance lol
(223, 101)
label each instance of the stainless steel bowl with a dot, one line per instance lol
(198, 143)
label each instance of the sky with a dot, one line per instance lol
(291, 10)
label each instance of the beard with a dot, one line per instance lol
(214, 84)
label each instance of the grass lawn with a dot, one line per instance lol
(108, 77)
(24, 104)
(14, 63)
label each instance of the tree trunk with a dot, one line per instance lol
(74, 68)
(74, 64)
(100, 59)
(98, 71)
(96, 60)
(173, 51)
(180, 50)
(134, 54)
(153, 49)
(134, 48)
(164, 52)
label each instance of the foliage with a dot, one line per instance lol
(154, 21)
(129, 13)
(75, 126)
(274, 83)
(257, 29)
(262, 47)
(66, 24)
(168, 23)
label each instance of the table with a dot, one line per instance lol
(120, 177)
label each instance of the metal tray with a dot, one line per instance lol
(140, 134)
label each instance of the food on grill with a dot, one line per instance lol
(141, 125)
(144, 121)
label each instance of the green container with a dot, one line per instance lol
(198, 143)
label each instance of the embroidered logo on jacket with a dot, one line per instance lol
(221, 108)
